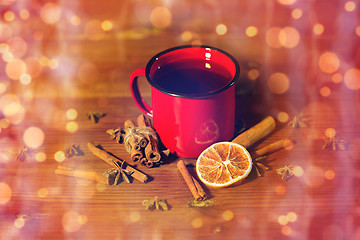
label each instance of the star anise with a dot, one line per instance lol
(121, 173)
(155, 203)
(260, 168)
(74, 150)
(286, 172)
(117, 134)
(299, 121)
(200, 203)
(22, 154)
(333, 143)
(95, 116)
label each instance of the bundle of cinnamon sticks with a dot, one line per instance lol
(140, 141)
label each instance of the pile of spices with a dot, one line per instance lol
(140, 141)
(117, 163)
(155, 203)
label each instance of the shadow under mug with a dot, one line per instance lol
(192, 97)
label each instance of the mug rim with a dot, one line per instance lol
(184, 95)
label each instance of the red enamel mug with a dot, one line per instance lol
(192, 97)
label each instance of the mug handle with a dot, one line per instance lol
(134, 88)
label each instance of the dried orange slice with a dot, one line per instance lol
(223, 164)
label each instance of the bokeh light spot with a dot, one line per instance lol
(272, 37)
(9, 16)
(19, 222)
(329, 62)
(71, 114)
(357, 30)
(82, 219)
(278, 83)
(59, 156)
(280, 190)
(43, 192)
(160, 17)
(15, 68)
(12, 108)
(53, 63)
(40, 157)
(314, 176)
(329, 174)
(75, 20)
(352, 78)
(289, 37)
(134, 216)
(197, 223)
(350, 6)
(50, 13)
(253, 74)
(325, 91)
(101, 187)
(318, 29)
(296, 13)
(25, 79)
(221, 29)
(70, 221)
(72, 126)
(228, 215)
(286, 2)
(93, 30)
(336, 78)
(3, 87)
(17, 46)
(107, 25)
(24, 14)
(44, 61)
(186, 36)
(5, 193)
(330, 132)
(291, 216)
(286, 230)
(251, 31)
(33, 137)
(7, 56)
(282, 220)
(298, 171)
(4, 123)
(283, 117)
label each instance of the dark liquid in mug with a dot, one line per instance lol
(191, 78)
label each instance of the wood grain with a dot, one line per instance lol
(92, 75)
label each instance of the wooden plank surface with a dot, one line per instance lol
(81, 74)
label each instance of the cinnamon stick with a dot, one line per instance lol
(147, 163)
(110, 159)
(195, 188)
(143, 121)
(255, 133)
(135, 152)
(273, 147)
(129, 124)
(88, 175)
(152, 149)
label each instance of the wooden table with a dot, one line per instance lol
(83, 74)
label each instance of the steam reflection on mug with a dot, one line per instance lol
(192, 97)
